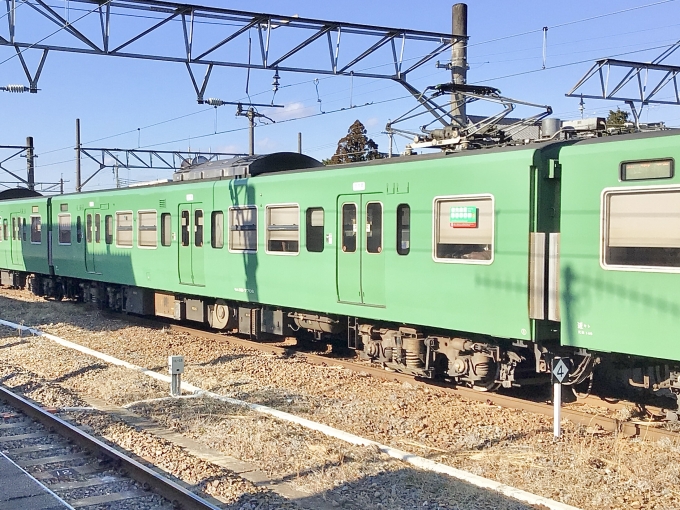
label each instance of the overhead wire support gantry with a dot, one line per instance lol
(641, 83)
(147, 159)
(273, 53)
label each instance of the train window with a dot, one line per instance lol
(88, 228)
(374, 227)
(79, 229)
(97, 228)
(464, 229)
(166, 229)
(403, 229)
(185, 228)
(14, 229)
(124, 229)
(642, 228)
(283, 228)
(314, 229)
(36, 229)
(349, 228)
(5, 229)
(651, 169)
(108, 229)
(198, 228)
(63, 207)
(64, 221)
(217, 229)
(147, 222)
(243, 229)
(23, 229)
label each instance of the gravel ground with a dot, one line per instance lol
(586, 468)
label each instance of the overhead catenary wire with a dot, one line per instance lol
(399, 98)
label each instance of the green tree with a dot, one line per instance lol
(356, 146)
(617, 118)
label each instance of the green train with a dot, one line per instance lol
(476, 267)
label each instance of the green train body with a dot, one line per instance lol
(477, 266)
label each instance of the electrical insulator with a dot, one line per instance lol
(214, 102)
(275, 83)
(15, 88)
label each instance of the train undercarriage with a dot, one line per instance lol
(480, 362)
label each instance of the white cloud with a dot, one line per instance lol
(291, 111)
(372, 121)
(265, 144)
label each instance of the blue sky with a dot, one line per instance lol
(114, 96)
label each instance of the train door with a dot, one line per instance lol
(15, 238)
(360, 260)
(90, 241)
(190, 257)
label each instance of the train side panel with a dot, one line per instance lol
(620, 269)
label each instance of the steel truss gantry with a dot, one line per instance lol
(647, 80)
(207, 48)
(146, 159)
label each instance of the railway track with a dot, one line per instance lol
(80, 469)
(649, 430)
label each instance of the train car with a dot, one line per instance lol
(24, 217)
(619, 253)
(477, 267)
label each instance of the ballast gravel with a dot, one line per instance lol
(586, 467)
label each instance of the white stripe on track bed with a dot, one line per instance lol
(410, 458)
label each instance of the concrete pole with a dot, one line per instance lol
(78, 186)
(459, 60)
(30, 163)
(299, 143)
(251, 131)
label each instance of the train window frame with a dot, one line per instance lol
(108, 229)
(604, 228)
(401, 250)
(312, 232)
(118, 229)
(234, 228)
(98, 228)
(23, 229)
(199, 228)
(5, 229)
(147, 228)
(217, 241)
(79, 229)
(61, 229)
(622, 171)
(355, 227)
(89, 227)
(273, 228)
(14, 229)
(34, 229)
(435, 231)
(379, 249)
(166, 229)
(184, 231)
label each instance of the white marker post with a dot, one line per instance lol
(560, 371)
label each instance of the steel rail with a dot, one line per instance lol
(180, 497)
(627, 428)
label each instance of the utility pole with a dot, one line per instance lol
(459, 60)
(251, 115)
(299, 143)
(78, 186)
(251, 130)
(30, 163)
